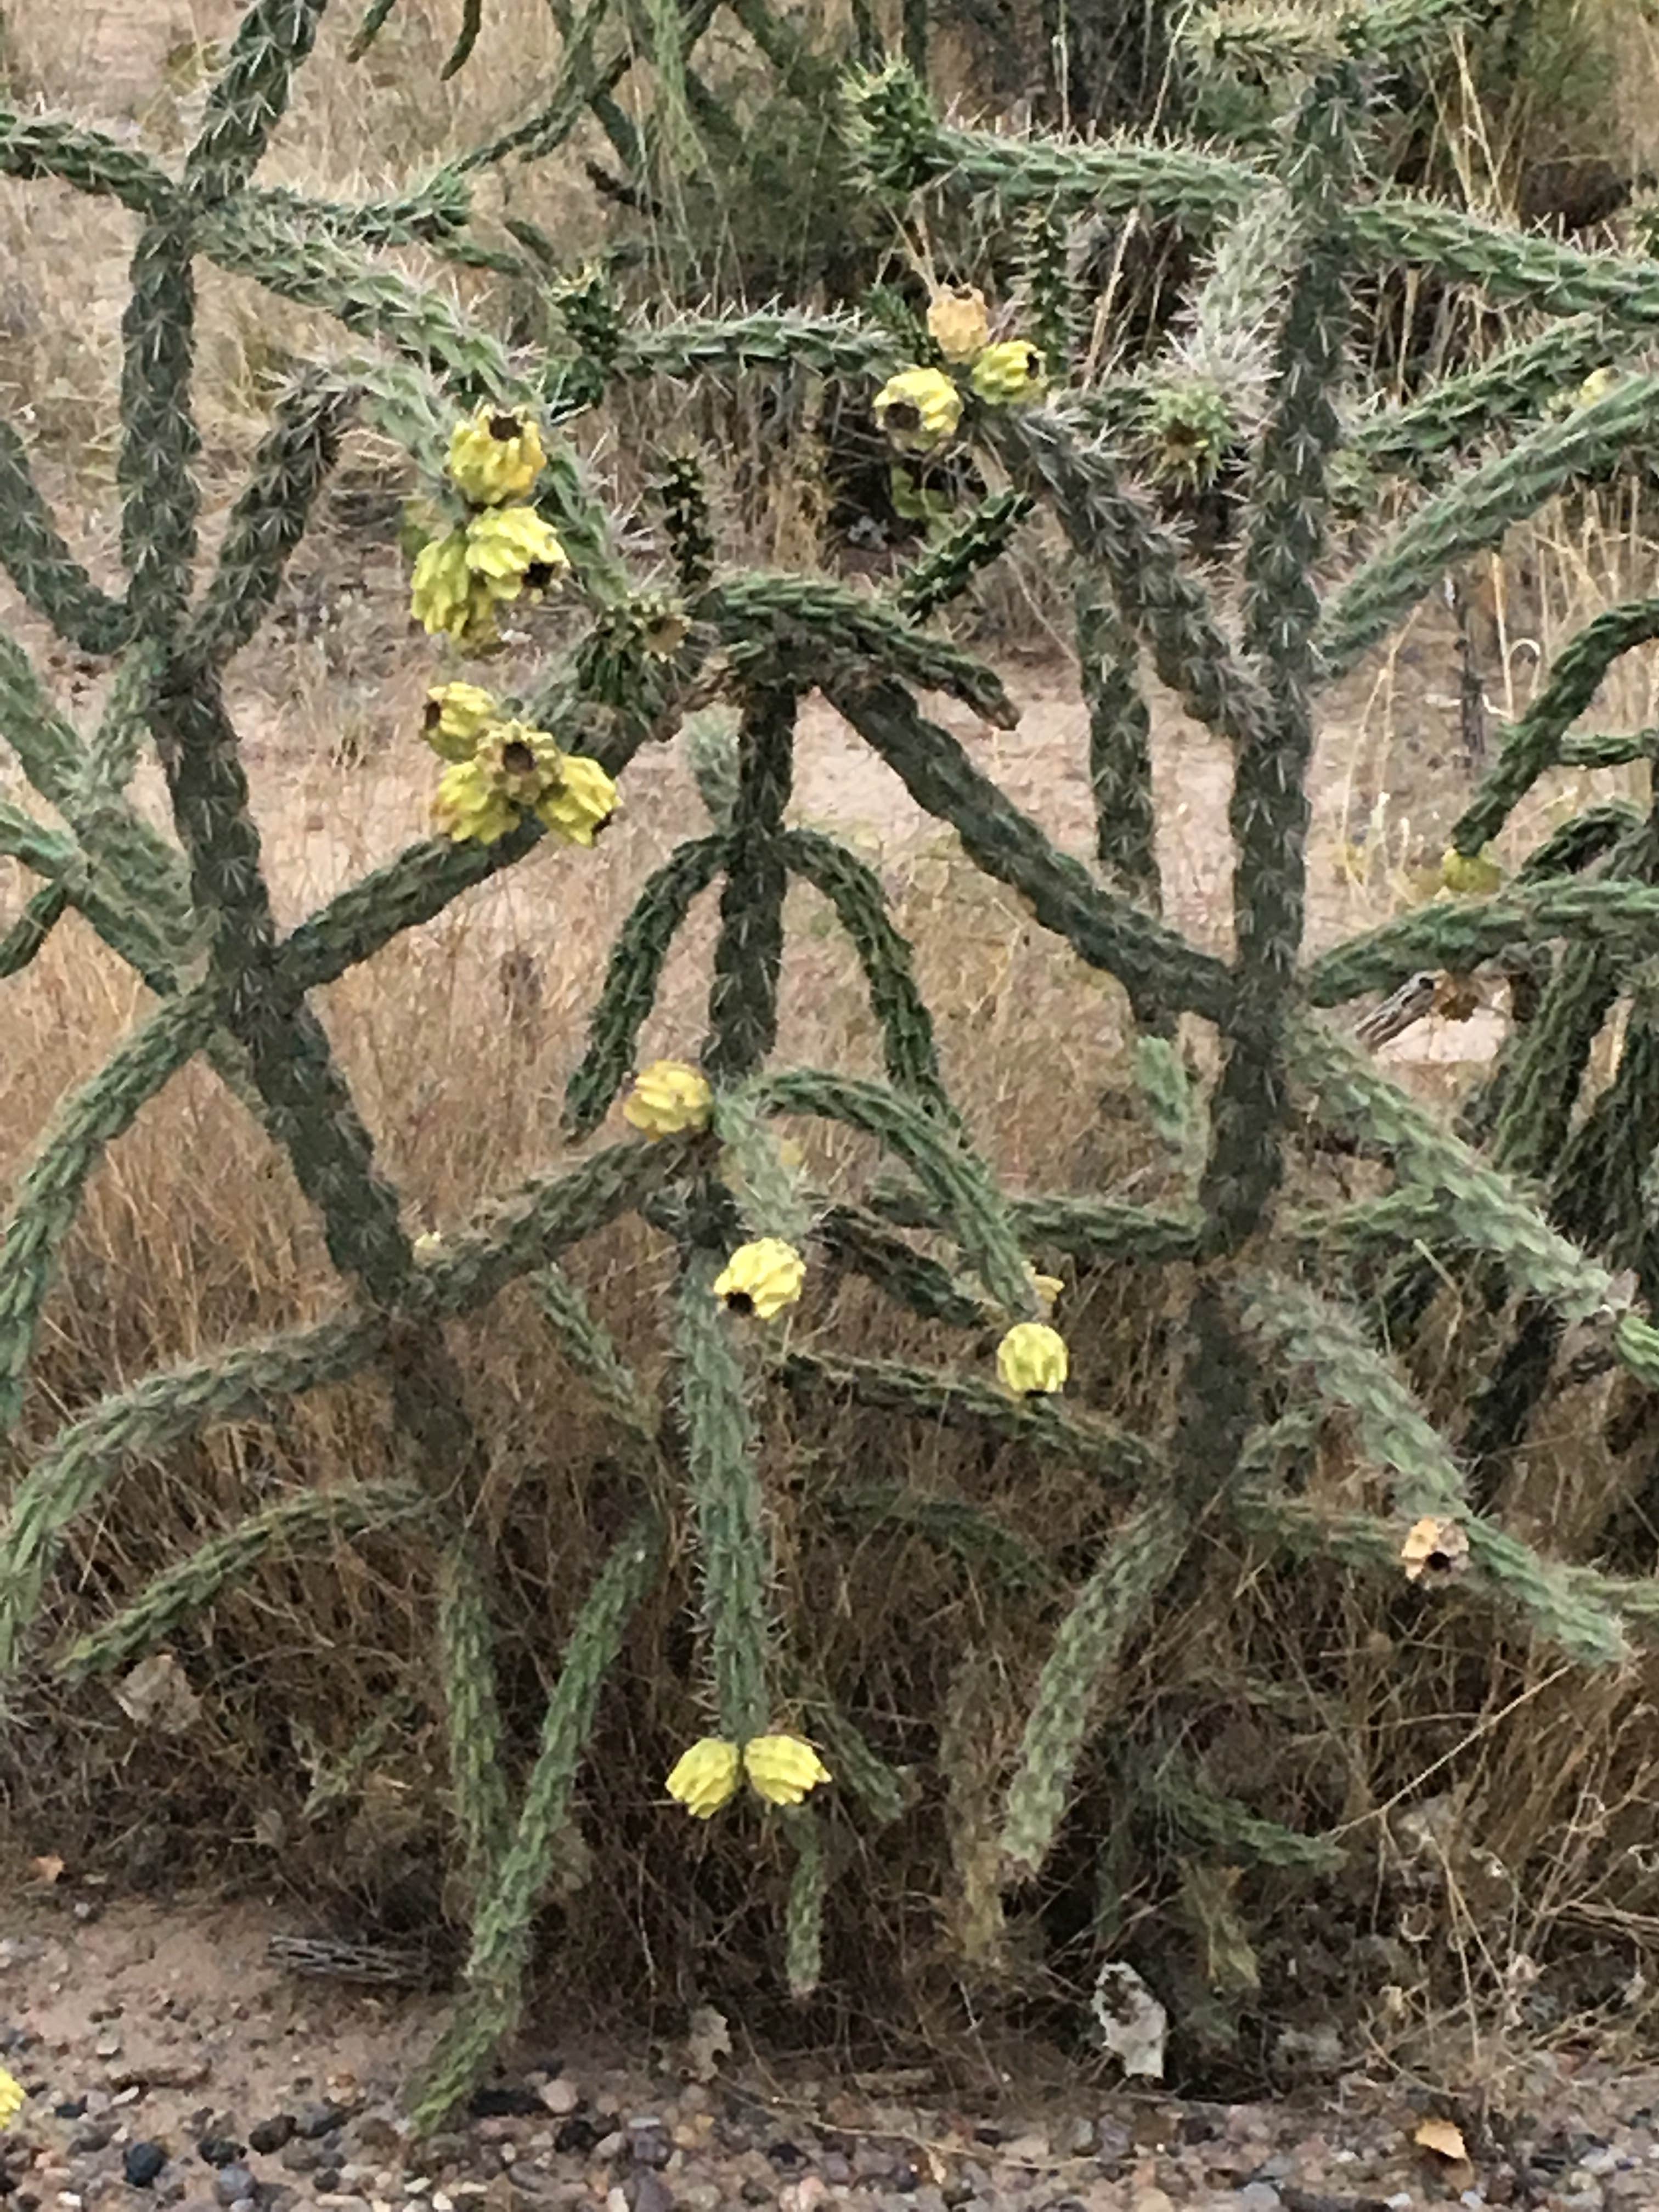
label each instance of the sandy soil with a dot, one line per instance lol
(157, 2040)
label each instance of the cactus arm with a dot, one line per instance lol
(1536, 742)
(884, 952)
(250, 96)
(48, 146)
(952, 1175)
(742, 991)
(35, 555)
(1476, 510)
(268, 520)
(632, 976)
(1105, 929)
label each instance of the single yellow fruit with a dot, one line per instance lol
(495, 455)
(669, 1095)
(456, 717)
(918, 409)
(782, 1768)
(957, 322)
(579, 805)
(761, 1277)
(1012, 370)
(705, 1777)
(1032, 1359)
(1470, 873)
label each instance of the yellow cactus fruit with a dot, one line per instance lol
(782, 1768)
(918, 409)
(495, 455)
(668, 1096)
(580, 805)
(957, 322)
(468, 807)
(761, 1277)
(1011, 371)
(705, 1777)
(1032, 1359)
(456, 717)
(511, 549)
(525, 765)
(1470, 873)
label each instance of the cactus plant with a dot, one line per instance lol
(1267, 1309)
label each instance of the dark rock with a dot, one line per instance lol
(836, 2165)
(578, 2135)
(142, 2162)
(788, 2157)
(302, 2157)
(275, 2196)
(904, 2178)
(71, 2109)
(219, 2150)
(650, 2144)
(646, 2191)
(232, 2184)
(511, 2103)
(97, 2135)
(321, 2119)
(327, 2180)
(267, 2135)
(755, 2192)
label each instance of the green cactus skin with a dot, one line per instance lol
(734, 1549)
(949, 1524)
(953, 1176)
(803, 1918)
(159, 438)
(1535, 742)
(1301, 1333)
(1105, 929)
(36, 557)
(820, 632)
(27, 935)
(966, 1401)
(743, 993)
(1269, 811)
(524, 1232)
(907, 1027)
(1513, 386)
(490, 2008)
(1476, 509)
(1459, 938)
(47, 146)
(1120, 751)
(200, 1579)
(944, 572)
(1110, 1607)
(632, 976)
(292, 462)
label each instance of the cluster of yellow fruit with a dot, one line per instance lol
(920, 409)
(782, 1769)
(13, 2098)
(504, 550)
(760, 1278)
(501, 769)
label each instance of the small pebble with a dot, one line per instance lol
(268, 2136)
(232, 2184)
(314, 2120)
(142, 2162)
(561, 2096)
(219, 2150)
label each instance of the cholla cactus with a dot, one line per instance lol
(1270, 1348)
